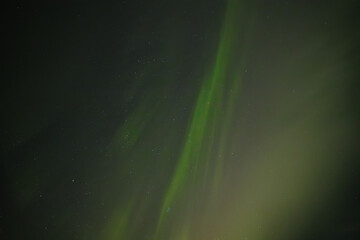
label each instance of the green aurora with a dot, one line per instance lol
(218, 120)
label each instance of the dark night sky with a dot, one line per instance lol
(202, 119)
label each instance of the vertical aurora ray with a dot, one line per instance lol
(200, 162)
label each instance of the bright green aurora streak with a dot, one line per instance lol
(210, 121)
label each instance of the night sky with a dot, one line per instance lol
(180, 120)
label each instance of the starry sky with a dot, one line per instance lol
(180, 120)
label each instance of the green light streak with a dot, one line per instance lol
(207, 116)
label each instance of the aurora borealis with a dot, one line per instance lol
(181, 120)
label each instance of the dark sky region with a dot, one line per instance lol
(180, 120)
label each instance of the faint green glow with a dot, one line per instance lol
(118, 226)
